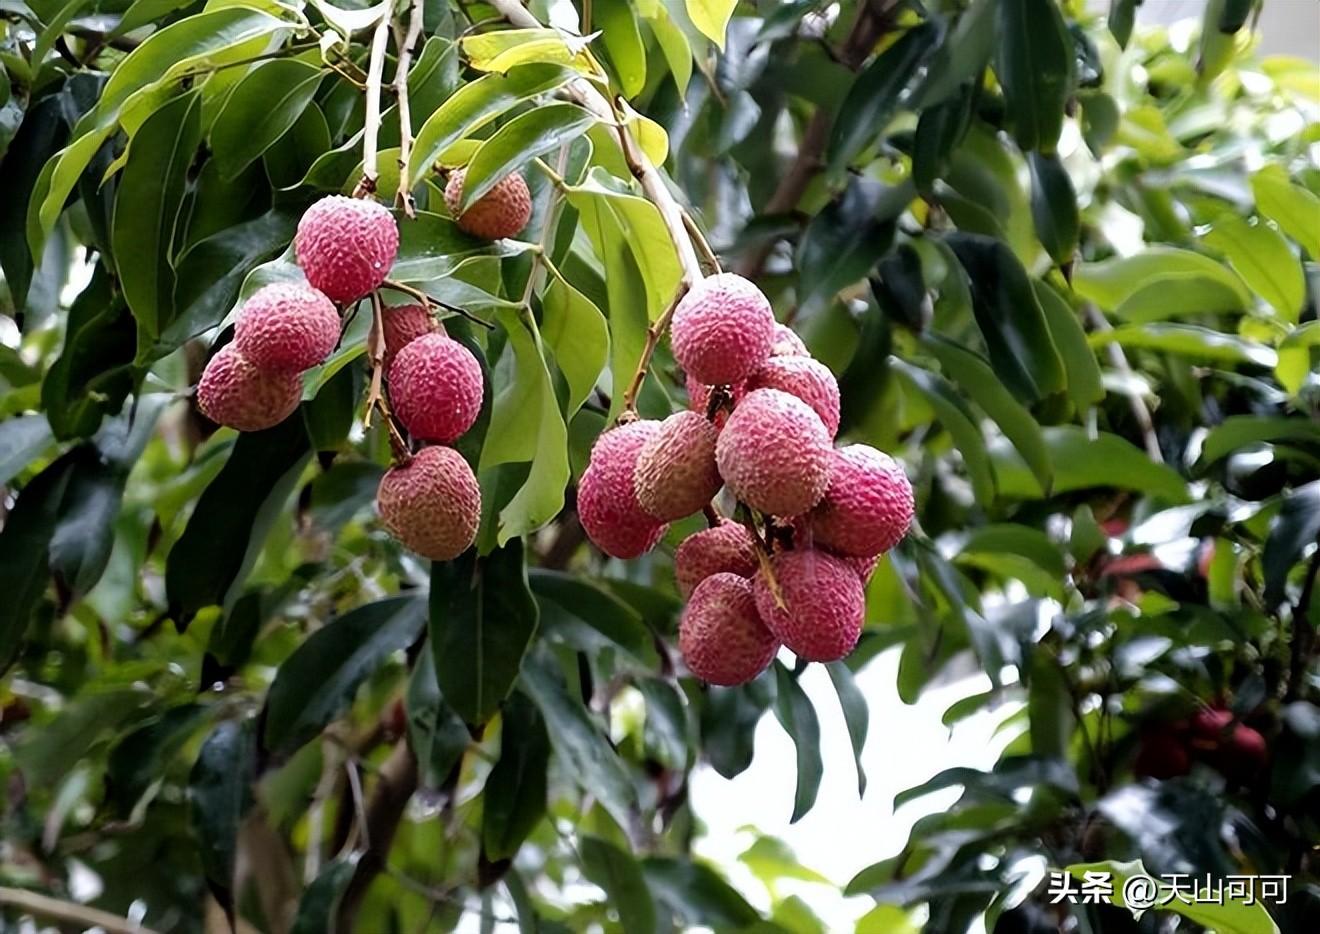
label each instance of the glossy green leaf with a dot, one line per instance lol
(578, 337)
(711, 17)
(615, 871)
(505, 49)
(1230, 917)
(959, 421)
(219, 794)
(437, 735)
(1122, 14)
(1053, 207)
(1188, 340)
(696, 894)
(1082, 462)
(1112, 282)
(138, 760)
(1295, 354)
(1295, 528)
(1262, 257)
(514, 145)
(318, 908)
(1295, 209)
(514, 800)
(797, 716)
(623, 41)
(1240, 431)
(1081, 370)
(22, 440)
(568, 600)
(1035, 65)
(843, 242)
(856, 715)
(261, 109)
(432, 247)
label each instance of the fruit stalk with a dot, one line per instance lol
(427, 301)
(654, 332)
(403, 197)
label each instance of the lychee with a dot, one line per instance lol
(287, 326)
(431, 503)
(722, 329)
(699, 399)
(1161, 755)
(774, 453)
(503, 211)
(787, 344)
(402, 325)
(726, 547)
(346, 246)
(865, 567)
(235, 392)
(868, 507)
(808, 379)
(823, 606)
(676, 474)
(435, 388)
(607, 499)
(721, 635)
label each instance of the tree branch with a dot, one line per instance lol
(371, 126)
(56, 909)
(394, 787)
(1120, 362)
(403, 198)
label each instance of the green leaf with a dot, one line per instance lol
(1240, 431)
(219, 794)
(317, 683)
(1161, 270)
(1036, 67)
(1188, 340)
(623, 40)
(1296, 527)
(960, 58)
(1122, 14)
(578, 335)
(1262, 257)
(22, 440)
(1232, 917)
(1295, 356)
(697, 894)
(797, 716)
(1049, 706)
(435, 732)
(1082, 462)
(261, 109)
(140, 759)
(939, 131)
(505, 49)
(959, 421)
(843, 242)
(432, 247)
(318, 908)
(1081, 370)
(1295, 209)
(523, 138)
(1053, 207)
(711, 17)
(1020, 540)
(514, 799)
(568, 600)
(615, 871)
(483, 618)
(855, 714)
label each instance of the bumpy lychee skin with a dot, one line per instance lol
(501, 212)
(435, 388)
(286, 326)
(787, 343)
(235, 392)
(728, 547)
(721, 635)
(699, 399)
(403, 324)
(808, 379)
(722, 329)
(346, 246)
(865, 567)
(676, 474)
(868, 507)
(607, 499)
(775, 454)
(432, 504)
(823, 604)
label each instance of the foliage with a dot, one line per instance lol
(1064, 268)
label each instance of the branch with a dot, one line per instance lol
(389, 798)
(403, 198)
(371, 128)
(653, 335)
(1119, 361)
(44, 906)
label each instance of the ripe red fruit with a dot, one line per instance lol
(235, 392)
(787, 343)
(1161, 755)
(699, 399)
(865, 567)
(402, 325)
(774, 453)
(396, 719)
(1209, 726)
(720, 634)
(607, 499)
(676, 474)
(1243, 755)
(346, 246)
(435, 388)
(726, 547)
(808, 379)
(286, 326)
(868, 507)
(824, 607)
(722, 330)
(432, 503)
(501, 212)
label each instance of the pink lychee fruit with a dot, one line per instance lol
(774, 453)
(865, 567)
(286, 326)
(435, 388)
(787, 343)
(728, 547)
(720, 634)
(346, 246)
(431, 503)
(808, 379)
(722, 329)
(503, 211)
(607, 499)
(676, 474)
(235, 392)
(820, 608)
(402, 325)
(868, 507)
(699, 399)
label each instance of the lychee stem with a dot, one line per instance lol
(703, 245)
(653, 335)
(403, 197)
(371, 123)
(376, 351)
(427, 301)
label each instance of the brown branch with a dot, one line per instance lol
(653, 335)
(395, 784)
(403, 197)
(56, 909)
(371, 123)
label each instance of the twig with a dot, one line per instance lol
(703, 245)
(375, 398)
(1119, 361)
(385, 808)
(653, 334)
(403, 197)
(427, 301)
(45, 906)
(371, 126)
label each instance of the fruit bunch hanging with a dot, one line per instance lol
(789, 562)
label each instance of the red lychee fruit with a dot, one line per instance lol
(346, 246)
(1243, 755)
(676, 474)
(503, 211)
(774, 453)
(865, 567)
(868, 507)
(823, 606)
(726, 547)
(435, 388)
(722, 330)
(808, 379)
(432, 503)
(787, 343)
(720, 634)
(607, 498)
(699, 399)
(286, 326)
(402, 325)
(1161, 755)
(1209, 725)
(235, 392)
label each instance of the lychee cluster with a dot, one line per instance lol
(814, 519)
(1212, 736)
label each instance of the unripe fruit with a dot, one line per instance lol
(435, 388)
(868, 507)
(402, 325)
(432, 503)
(808, 379)
(726, 547)
(823, 605)
(699, 399)
(286, 326)
(346, 246)
(676, 474)
(235, 392)
(787, 343)
(722, 329)
(774, 453)
(501, 212)
(607, 499)
(721, 635)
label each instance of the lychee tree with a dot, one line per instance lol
(376, 556)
